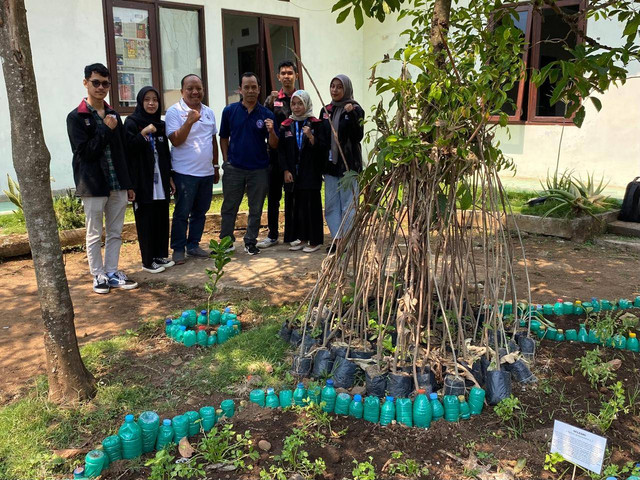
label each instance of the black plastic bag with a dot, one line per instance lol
(527, 348)
(343, 373)
(454, 385)
(426, 380)
(512, 346)
(308, 343)
(295, 338)
(478, 370)
(361, 354)
(521, 373)
(301, 365)
(285, 332)
(497, 386)
(376, 382)
(400, 385)
(322, 363)
(339, 351)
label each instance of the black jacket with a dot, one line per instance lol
(142, 161)
(88, 143)
(281, 108)
(350, 134)
(305, 165)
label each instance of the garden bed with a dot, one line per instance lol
(578, 229)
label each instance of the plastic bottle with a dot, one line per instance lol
(314, 394)
(165, 434)
(547, 309)
(595, 304)
(225, 315)
(535, 326)
(632, 342)
(451, 408)
(587, 306)
(94, 462)
(194, 422)
(624, 303)
(180, 333)
(422, 412)
(571, 334)
(192, 318)
(620, 342)
(202, 318)
(299, 395)
(558, 307)
(184, 319)
(388, 411)
(257, 396)
(605, 305)
(560, 335)
(286, 398)
(271, 400)
(212, 340)
(633, 477)
(404, 411)
(542, 332)
(189, 338)
(201, 336)
(356, 408)
(465, 409)
(437, 410)
(228, 408)
(168, 323)
(577, 308)
(149, 423)
(343, 400)
(180, 428)
(552, 333)
(214, 317)
(208, 417)
(636, 302)
(328, 397)
(583, 336)
(567, 308)
(223, 334)
(233, 329)
(130, 438)
(476, 400)
(113, 448)
(78, 473)
(371, 411)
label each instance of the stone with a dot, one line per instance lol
(359, 390)
(296, 476)
(264, 445)
(332, 455)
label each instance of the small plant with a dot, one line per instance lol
(163, 467)
(294, 459)
(594, 369)
(223, 445)
(364, 470)
(407, 468)
(221, 256)
(69, 211)
(15, 197)
(551, 460)
(510, 411)
(610, 409)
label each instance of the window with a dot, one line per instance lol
(152, 43)
(254, 43)
(546, 35)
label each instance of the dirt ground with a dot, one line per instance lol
(556, 269)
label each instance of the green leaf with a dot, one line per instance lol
(357, 15)
(340, 4)
(596, 103)
(343, 15)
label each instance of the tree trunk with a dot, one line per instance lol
(69, 380)
(439, 29)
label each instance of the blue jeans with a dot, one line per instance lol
(339, 204)
(193, 199)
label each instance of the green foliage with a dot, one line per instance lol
(15, 197)
(364, 470)
(609, 409)
(512, 414)
(220, 257)
(294, 459)
(594, 369)
(551, 460)
(69, 211)
(408, 468)
(162, 464)
(223, 445)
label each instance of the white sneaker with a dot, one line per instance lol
(295, 248)
(232, 248)
(295, 243)
(310, 249)
(267, 242)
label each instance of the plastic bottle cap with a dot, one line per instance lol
(632, 335)
(270, 390)
(128, 418)
(389, 398)
(560, 330)
(166, 422)
(461, 398)
(301, 385)
(329, 383)
(168, 321)
(203, 312)
(183, 327)
(185, 315)
(227, 310)
(433, 396)
(78, 471)
(357, 398)
(421, 391)
(202, 327)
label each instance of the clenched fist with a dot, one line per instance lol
(269, 124)
(111, 121)
(193, 116)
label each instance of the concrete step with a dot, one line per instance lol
(626, 243)
(626, 229)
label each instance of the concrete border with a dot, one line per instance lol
(577, 229)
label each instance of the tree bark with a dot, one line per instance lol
(69, 380)
(439, 29)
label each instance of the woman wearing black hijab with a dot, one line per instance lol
(150, 169)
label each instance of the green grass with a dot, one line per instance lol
(11, 223)
(32, 427)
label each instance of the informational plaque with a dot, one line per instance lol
(578, 446)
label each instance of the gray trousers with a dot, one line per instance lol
(235, 182)
(112, 209)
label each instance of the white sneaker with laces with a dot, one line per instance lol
(295, 243)
(310, 249)
(267, 242)
(120, 280)
(153, 268)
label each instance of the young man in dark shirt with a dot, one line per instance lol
(280, 104)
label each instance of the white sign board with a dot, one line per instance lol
(578, 446)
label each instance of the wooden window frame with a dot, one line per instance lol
(264, 48)
(153, 7)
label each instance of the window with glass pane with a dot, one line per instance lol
(180, 47)
(282, 45)
(241, 51)
(520, 21)
(133, 53)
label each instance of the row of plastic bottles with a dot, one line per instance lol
(147, 434)
(178, 329)
(619, 341)
(572, 308)
(420, 412)
(190, 318)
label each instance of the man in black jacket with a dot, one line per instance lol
(101, 177)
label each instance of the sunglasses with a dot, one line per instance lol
(98, 83)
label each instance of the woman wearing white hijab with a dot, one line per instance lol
(302, 152)
(346, 116)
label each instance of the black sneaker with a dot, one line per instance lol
(120, 280)
(164, 262)
(153, 268)
(251, 249)
(101, 284)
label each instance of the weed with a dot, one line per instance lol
(510, 411)
(551, 460)
(594, 369)
(294, 459)
(408, 468)
(69, 211)
(364, 470)
(609, 410)
(221, 257)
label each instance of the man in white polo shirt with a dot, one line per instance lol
(191, 128)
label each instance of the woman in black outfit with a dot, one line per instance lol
(150, 169)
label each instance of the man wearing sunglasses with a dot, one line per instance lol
(101, 177)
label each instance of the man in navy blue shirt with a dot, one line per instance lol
(245, 129)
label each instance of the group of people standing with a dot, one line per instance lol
(265, 149)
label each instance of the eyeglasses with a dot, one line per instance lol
(97, 83)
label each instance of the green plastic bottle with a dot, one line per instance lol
(551, 333)
(94, 462)
(587, 306)
(194, 422)
(167, 326)
(437, 409)
(343, 400)
(451, 408)
(328, 397)
(422, 412)
(596, 305)
(78, 473)
(542, 332)
(223, 334)
(371, 411)
(605, 305)
(567, 308)
(214, 317)
(578, 309)
(225, 315)
(620, 342)
(299, 394)
(632, 342)
(583, 336)
(636, 302)
(592, 337)
(113, 448)
(228, 408)
(212, 340)
(558, 307)
(547, 309)
(535, 326)
(404, 411)
(571, 335)
(624, 303)
(180, 333)
(183, 319)
(208, 418)
(192, 318)
(286, 398)
(314, 394)
(388, 411)
(180, 428)
(202, 337)
(130, 438)
(257, 396)
(202, 318)
(272, 400)
(356, 408)
(149, 423)
(165, 434)
(560, 335)
(189, 338)
(465, 409)
(476, 400)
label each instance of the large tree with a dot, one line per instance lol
(69, 380)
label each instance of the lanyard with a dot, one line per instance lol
(152, 142)
(300, 134)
